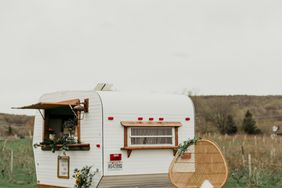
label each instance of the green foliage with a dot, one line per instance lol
(249, 124)
(259, 178)
(239, 175)
(182, 148)
(83, 177)
(64, 141)
(231, 127)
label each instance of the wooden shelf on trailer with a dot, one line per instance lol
(72, 147)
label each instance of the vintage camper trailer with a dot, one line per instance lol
(129, 138)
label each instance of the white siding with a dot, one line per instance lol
(91, 132)
(127, 107)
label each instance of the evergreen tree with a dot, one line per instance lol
(249, 124)
(231, 127)
(10, 130)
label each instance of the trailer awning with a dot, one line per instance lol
(48, 105)
(153, 124)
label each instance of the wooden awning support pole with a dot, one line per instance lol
(73, 111)
(41, 114)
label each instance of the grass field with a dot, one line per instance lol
(23, 170)
(254, 161)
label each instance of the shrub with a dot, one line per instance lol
(249, 124)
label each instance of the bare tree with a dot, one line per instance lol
(215, 110)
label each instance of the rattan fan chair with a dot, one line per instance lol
(202, 165)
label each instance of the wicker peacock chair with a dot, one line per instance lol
(202, 165)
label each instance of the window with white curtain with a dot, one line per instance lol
(154, 136)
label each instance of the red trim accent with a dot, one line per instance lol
(161, 119)
(187, 119)
(110, 118)
(140, 118)
(151, 119)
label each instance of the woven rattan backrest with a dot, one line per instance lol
(202, 162)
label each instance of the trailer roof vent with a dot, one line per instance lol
(104, 87)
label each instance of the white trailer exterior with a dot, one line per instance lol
(107, 129)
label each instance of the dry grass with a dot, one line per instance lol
(265, 167)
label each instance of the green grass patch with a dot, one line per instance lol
(23, 169)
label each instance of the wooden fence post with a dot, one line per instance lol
(4, 145)
(12, 161)
(250, 165)
(243, 155)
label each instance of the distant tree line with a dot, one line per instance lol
(219, 113)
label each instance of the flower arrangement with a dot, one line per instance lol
(182, 148)
(64, 141)
(83, 177)
(69, 127)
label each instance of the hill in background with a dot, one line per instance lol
(16, 125)
(266, 110)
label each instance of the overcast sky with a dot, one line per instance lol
(209, 47)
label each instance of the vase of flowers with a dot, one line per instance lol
(69, 127)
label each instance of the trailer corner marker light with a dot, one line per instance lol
(140, 118)
(115, 157)
(110, 118)
(161, 119)
(187, 119)
(151, 119)
(98, 145)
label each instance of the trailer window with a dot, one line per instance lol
(60, 122)
(139, 135)
(151, 136)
